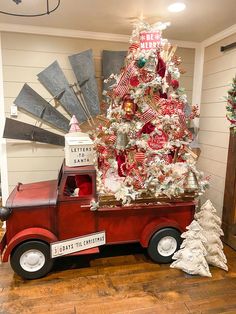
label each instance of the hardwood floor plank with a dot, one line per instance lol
(119, 282)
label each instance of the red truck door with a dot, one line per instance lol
(74, 217)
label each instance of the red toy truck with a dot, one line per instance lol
(44, 220)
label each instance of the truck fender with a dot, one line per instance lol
(155, 225)
(27, 234)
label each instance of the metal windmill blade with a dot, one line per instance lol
(83, 67)
(112, 62)
(23, 131)
(54, 80)
(31, 102)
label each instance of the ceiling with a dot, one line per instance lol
(200, 20)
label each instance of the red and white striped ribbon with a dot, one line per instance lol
(122, 87)
(139, 157)
(148, 115)
(133, 47)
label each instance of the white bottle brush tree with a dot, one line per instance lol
(191, 256)
(74, 125)
(211, 225)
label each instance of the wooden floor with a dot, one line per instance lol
(120, 280)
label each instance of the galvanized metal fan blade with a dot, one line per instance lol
(33, 103)
(54, 80)
(83, 67)
(112, 62)
(23, 131)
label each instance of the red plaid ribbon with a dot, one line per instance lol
(122, 87)
(148, 115)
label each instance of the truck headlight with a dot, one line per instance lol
(5, 212)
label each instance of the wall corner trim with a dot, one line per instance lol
(3, 152)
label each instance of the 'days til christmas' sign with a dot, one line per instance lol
(78, 147)
(149, 40)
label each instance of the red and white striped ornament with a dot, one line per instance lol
(148, 115)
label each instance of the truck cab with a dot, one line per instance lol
(49, 219)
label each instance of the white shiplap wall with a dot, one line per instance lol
(186, 79)
(219, 69)
(24, 56)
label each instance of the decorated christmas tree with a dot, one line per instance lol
(144, 146)
(231, 105)
(211, 225)
(191, 256)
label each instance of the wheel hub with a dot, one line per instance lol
(167, 246)
(32, 260)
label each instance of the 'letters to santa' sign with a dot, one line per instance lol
(149, 40)
(78, 150)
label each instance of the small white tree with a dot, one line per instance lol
(211, 225)
(74, 125)
(191, 256)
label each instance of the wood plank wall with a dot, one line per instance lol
(186, 79)
(219, 69)
(24, 56)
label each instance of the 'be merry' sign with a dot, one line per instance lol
(69, 246)
(78, 150)
(149, 40)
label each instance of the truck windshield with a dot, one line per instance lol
(78, 185)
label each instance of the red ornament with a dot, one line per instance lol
(157, 141)
(134, 81)
(174, 84)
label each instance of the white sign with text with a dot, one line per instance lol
(73, 245)
(78, 150)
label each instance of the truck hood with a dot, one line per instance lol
(33, 194)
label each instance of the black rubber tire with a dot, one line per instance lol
(160, 234)
(29, 245)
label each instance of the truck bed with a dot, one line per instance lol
(110, 200)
